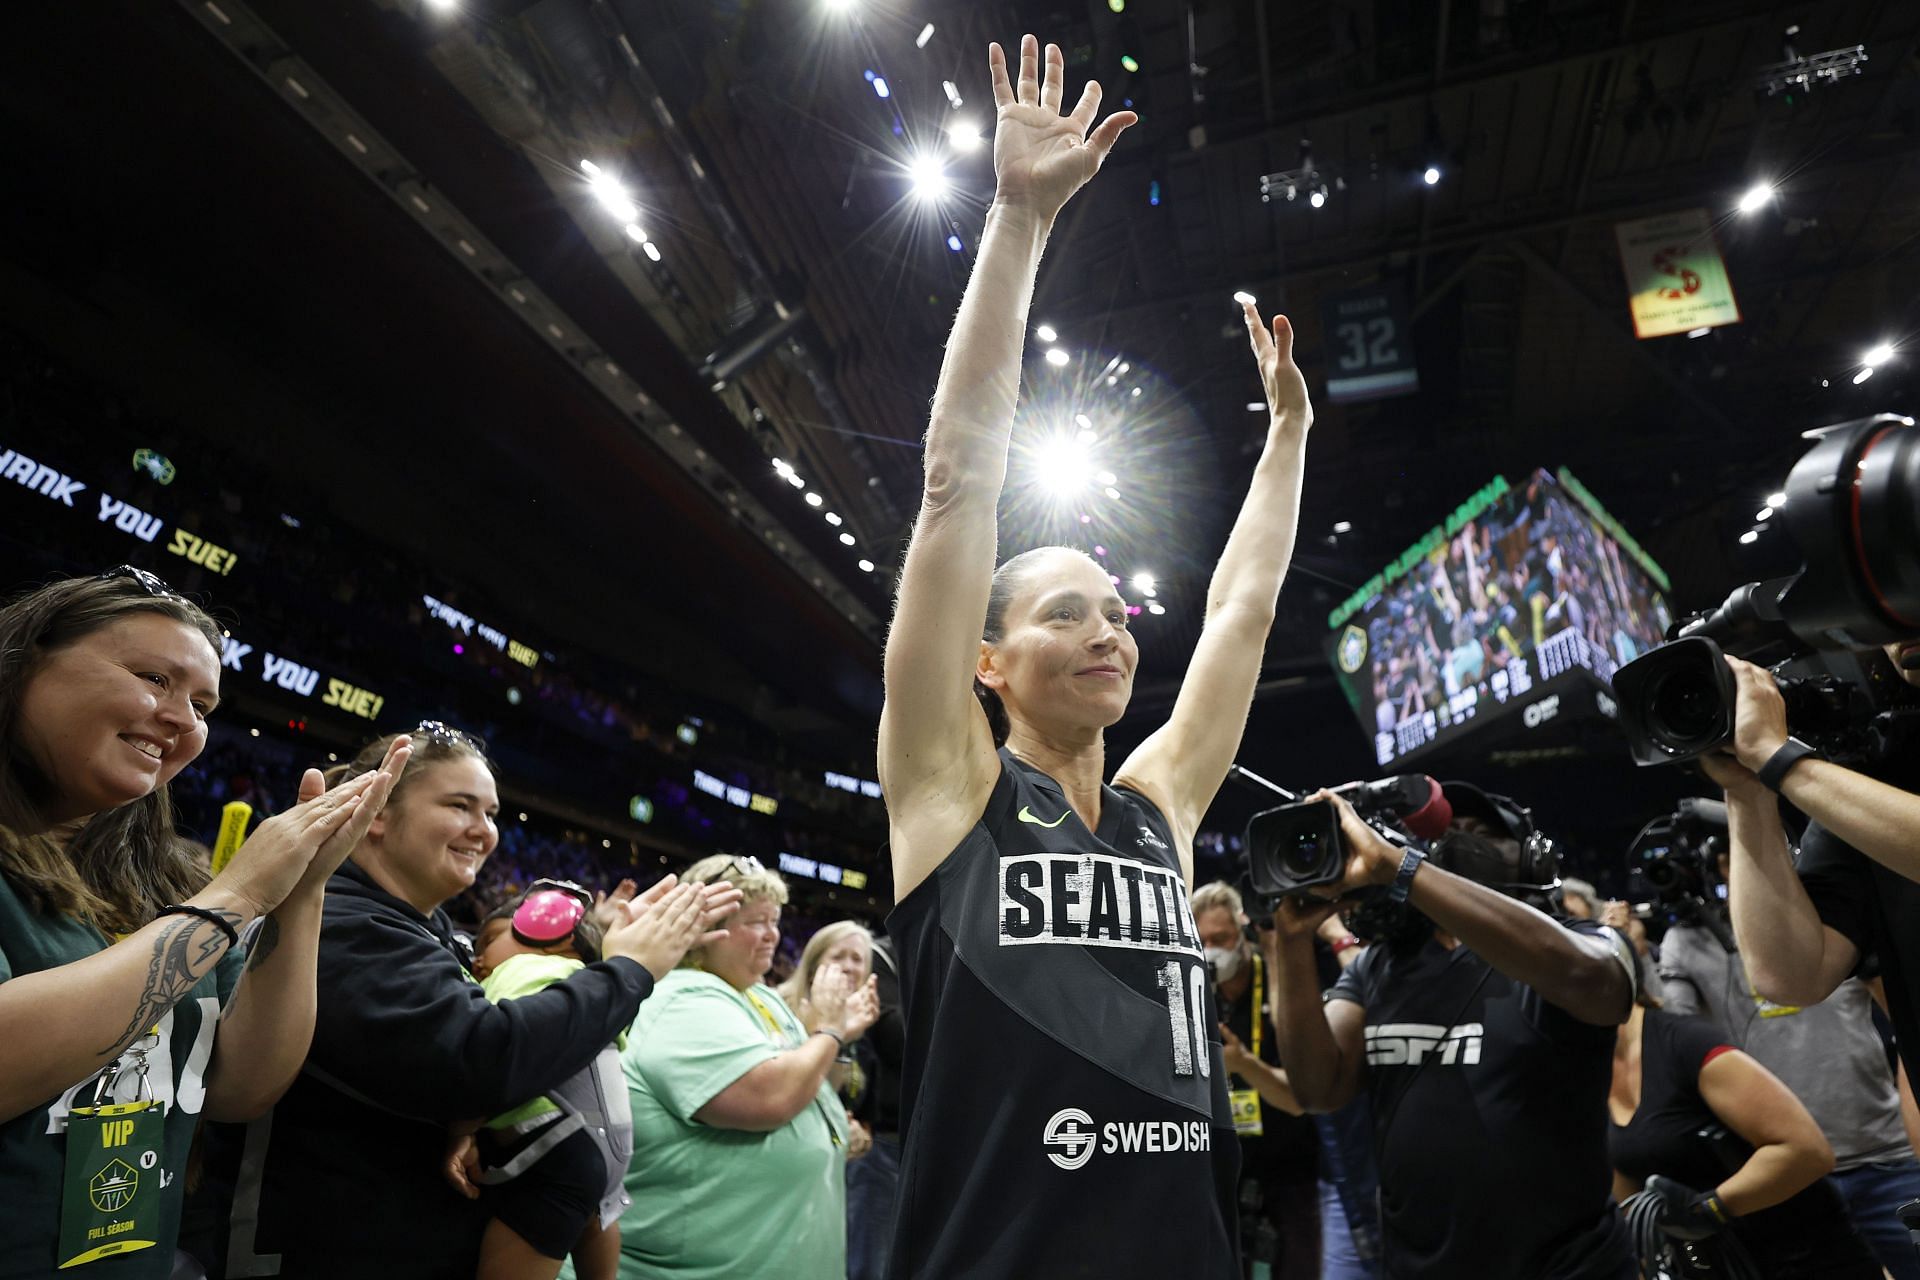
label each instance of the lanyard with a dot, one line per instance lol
(775, 1032)
(1259, 1004)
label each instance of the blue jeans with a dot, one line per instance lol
(1872, 1193)
(873, 1185)
(1339, 1259)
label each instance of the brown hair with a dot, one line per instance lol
(433, 743)
(126, 862)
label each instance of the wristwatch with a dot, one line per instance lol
(1774, 772)
(1403, 883)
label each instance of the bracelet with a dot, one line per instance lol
(1403, 882)
(837, 1037)
(1345, 944)
(175, 909)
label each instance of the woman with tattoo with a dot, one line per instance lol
(343, 1177)
(116, 951)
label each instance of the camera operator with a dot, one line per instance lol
(1279, 1191)
(1804, 928)
(1482, 1031)
(1828, 1054)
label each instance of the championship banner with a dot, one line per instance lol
(1676, 279)
(1369, 344)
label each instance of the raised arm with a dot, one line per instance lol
(1323, 1043)
(936, 754)
(1182, 764)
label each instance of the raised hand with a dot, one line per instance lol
(657, 928)
(300, 847)
(1041, 156)
(606, 906)
(1273, 351)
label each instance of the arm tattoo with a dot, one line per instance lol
(265, 941)
(185, 950)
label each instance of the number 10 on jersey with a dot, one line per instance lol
(1187, 1017)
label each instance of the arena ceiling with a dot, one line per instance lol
(258, 211)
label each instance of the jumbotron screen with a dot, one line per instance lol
(1518, 586)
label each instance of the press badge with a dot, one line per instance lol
(1245, 1104)
(110, 1194)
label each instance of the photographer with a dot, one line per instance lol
(1804, 928)
(1482, 1031)
(1279, 1188)
(1828, 1054)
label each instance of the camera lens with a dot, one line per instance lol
(1302, 853)
(1682, 709)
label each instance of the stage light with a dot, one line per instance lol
(1879, 355)
(1764, 513)
(1155, 608)
(1750, 537)
(880, 89)
(1776, 500)
(929, 178)
(796, 481)
(964, 135)
(1061, 465)
(1432, 176)
(1135, 393)
(847, 538)
(1319, 196)
(1057, 358)
(833, 518)
(952, 91)
(1125, 367)
(1127, 60)
(1244, 298)
(652, 250)
(926, 34)
(1756, 196)
(1153, 193)
(635, 234)
(814, 499)
(866, 566)
(783, 468)
(1046, 333)
(1343, 526)
(955, 244)
(1863, 375)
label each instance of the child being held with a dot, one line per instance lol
(549, 1171)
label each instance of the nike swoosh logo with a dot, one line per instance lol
(1026, 815)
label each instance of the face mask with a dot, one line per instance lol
(1226, 963)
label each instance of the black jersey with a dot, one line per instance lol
(1490, 1121)
(1063, 1103)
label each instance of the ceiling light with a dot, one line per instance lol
(1863, 375)
(1255, 406)
(1343, 526)
(1113, 493)
(929, 178)
(1776, 500)
(1764, 513)
(1135, 392)
(926, 34)
(1244, 298)
(1107, 477)
(635, 234)
(1750, 537)
(1046, 333)
(1057, 358)
(1155, 608)
(866, 566)
(1756, 195)
(1128, 61)
(952, 91)
(1879, 355)
(955, 244)
(814, 499)
(1143, 583)
(964, 134)
(1318, 198)
(652, 250)
(612, 196)
(1061, 465)
(847, 538)
(833, 518)
(1431, 177)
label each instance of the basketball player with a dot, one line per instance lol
(1064, 1104)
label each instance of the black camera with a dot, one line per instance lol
(1853, 507)
(1299, 846)
(1673, 864)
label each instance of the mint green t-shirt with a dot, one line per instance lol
(33, 1144)
(723, 1204)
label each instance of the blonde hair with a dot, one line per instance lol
(826, 938)
(1219, 893)
(755, 882)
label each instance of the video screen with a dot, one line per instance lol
(1518, 586)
